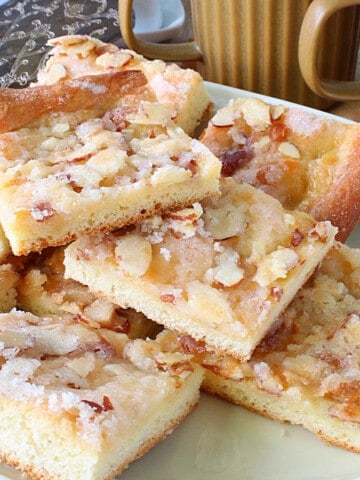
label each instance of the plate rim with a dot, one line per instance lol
(216, 89)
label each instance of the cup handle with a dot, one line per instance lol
(312, 27)
(179, 52)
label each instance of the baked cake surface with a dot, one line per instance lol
(79, 403)
(43, 291)
(306, 161)
(221, 271)
(306, 371)
(70, 173)
(181, 90)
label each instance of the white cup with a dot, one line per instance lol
(148, 15)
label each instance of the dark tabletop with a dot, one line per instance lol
(26, 26)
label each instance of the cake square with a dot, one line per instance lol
(221, 271)
(308, 161)
(181, 90)
(306, 371)
(69, 173)
(82, 403)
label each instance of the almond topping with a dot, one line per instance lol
(288, 149)
(227, 272)
(276, 111)
(134, 254)
(56, 72)
(113, 60)
(223, 118)
(256, 114)
(275, 265)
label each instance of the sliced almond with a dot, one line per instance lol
(288, 149)
(276, 111)
(150, 113)
(113, 60)
(223, 117)
(228, 272)
(56, 72)
(256, 113)
(224, 222)
(16, 339)
(133, 254)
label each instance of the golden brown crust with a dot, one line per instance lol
(43, 243)
(21, 106)
(341, 204)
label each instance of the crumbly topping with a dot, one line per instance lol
(56, 161)
(227, 272)
(276, 265)
(313, 350)
(98, 377)
(233, 255)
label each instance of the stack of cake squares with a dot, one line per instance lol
(141, 264)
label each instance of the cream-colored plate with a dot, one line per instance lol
(219, 441)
